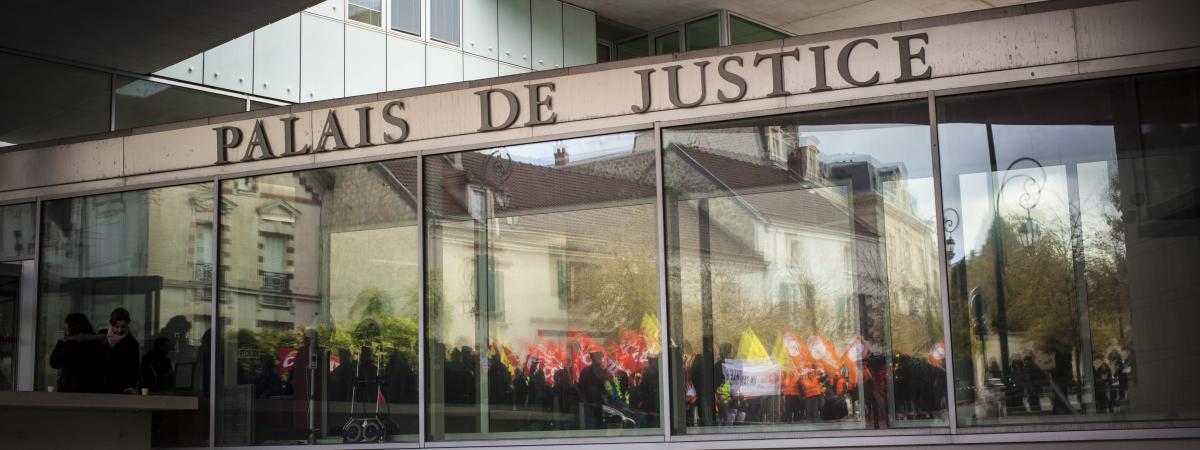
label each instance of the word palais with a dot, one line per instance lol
(966, 229)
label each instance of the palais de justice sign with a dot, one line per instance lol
(733, 88)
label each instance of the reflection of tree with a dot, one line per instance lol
(616, 285)
(1040, 287)
(372, 323)
(820, 313)
(1107, 291)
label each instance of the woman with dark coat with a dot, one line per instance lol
(121, 355)
(78, 356)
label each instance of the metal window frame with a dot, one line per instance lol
(390, 27)
(383, 11)
(1060, 432)
(428, 34)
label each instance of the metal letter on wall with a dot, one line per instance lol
(485, 109)
(227, 138)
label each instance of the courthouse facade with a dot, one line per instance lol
(981, 228)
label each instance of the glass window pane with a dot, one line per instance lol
(1072, 255)
(256, 105)
(131, 251)
(10, 294)
(319, 284)
(143, 102)
(633, 48)
(667, 43)
(56, 100)
(406, 16)
(703, 33)
(444, 18)
(543, 290)
(17, 232)
(803, 284)
(742, 31)
(369, 12)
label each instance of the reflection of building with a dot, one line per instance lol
(148, 252)
(811, 232)
(548, 232)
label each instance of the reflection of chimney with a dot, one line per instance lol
(802, 159)
(560, 157)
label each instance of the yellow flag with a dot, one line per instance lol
(750, 347)
(778, 353)
(650, 331)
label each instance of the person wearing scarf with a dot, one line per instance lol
(121, 357)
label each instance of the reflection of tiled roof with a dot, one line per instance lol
(773, 193)
(532, 187)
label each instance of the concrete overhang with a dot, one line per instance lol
(139, 36)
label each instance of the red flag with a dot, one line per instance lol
(287, 359)
(582, 353)
(937, 355)
(550, 358)
(334, 362)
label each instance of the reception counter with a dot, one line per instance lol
(62, 420)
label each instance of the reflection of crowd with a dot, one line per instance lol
(362, 384)
(820, 390)
(582, 388)
(919, 388)
(1029, 384)
(108, 361)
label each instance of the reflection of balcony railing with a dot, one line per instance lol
(272, 281)
(203, 273)
(271, 301)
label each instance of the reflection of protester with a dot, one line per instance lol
(875, 390)
(648, 393)
(592, 382)
(811, 388)
(1063, 382)
(499, 390)
(204, 355)
(121, 358)
(269, 383)
(1102, 383)
(1121, 369)
(77, 356)
(158, 374)
(1036, 379)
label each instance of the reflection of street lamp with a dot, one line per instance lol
(1028, 200)
(950, 224)
(497, 167)
(1028, 231)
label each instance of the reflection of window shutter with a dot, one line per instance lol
(495, 286)
(274, 253)
(561, 279)
(564, 294)
(204, 241)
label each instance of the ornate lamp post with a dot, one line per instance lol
(950, 223)
(1029, 198)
